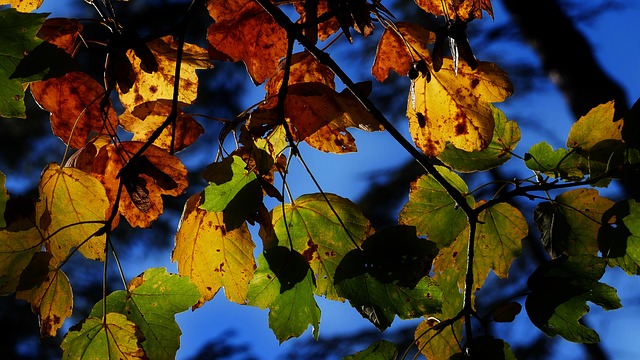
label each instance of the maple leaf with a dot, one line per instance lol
(155, 173)
(212, 255)
(48, 291)
(401, 52)
(323, 29)
(71, 211)
(25, 6)
(455, 108)
(148, 117)
(462, 9)
(158, 85)
(16, 250)
(75, 102)
(62, 33)
(245, 32)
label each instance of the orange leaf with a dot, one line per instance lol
(156, 173)
(74, 102)
(399, 53)
(61, 32)
(244, 31)
(455, 108)
(158, 85)
(325, 28)
(149, 116)
(462, 9)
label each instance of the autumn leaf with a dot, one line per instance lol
(19, 33)
(379, 350)
(573, 280)
(155, 173)
(438, 344)
(285, 284)
(245, 32)
(619, 236)
(158, 85)
(212, 255)
(432, 211)
(75, 102)
(463, 10)
(114, 339)
(454, 108)
(25, 6)
(506, 135)
(319, 235)
(595, 127)
(151, 301)
(48, 291)
(149, 116)
(62, 33)
(399, 52)
(16, 250)
(324, 29)
(71, 212)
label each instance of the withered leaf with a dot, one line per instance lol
(461, 9)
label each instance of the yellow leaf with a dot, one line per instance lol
(72, 208)
(596, 126)
(459, 9)
(455, 108)
(212, 255)
(16, 250)
(159, 84)
(23, 5)
(48, 291)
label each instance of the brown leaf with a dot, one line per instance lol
(156, 173)
(61, 32)
(245, 32)
(461, 9)
(324, 28)
(75, 102)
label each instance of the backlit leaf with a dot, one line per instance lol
(75, 104)
(18, 32)
(573, 281)
(399, 53)
(245, 32)
(156, 173)
(488, 347)
(463, 9)
(596, 126)
(379, 350)
(438, 345)
(569, 225)
(558, 163)
(212, 255)
(16, 250)
(324, 28)
(115, 339)
(319, 236)
(506, 135)
(62, 33)
(23, 5)
(619, 236)
(71, 211)
(285, 284)
(48, 292)
(158, 85)
(151, 301)
(456, 108)
(432, 211)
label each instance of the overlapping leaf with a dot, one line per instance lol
(62, 33)
(151, 301)
(436, 344)
(212, 255)
(245, 32)
(432, 211)
(463, 10)
(16, 250)
(324, 29)
(23, 5)
(317, 233)
(558, 163)
(595, 127)
(573, 281)
(159, 85)
(71, 211)
(75, 102)
(455, 107)
(48, 291)
(506, 135)
(569, 225)
(285, 284)
(379, 350)
(619, 236)
(154, 174)
(114, 339)
(19, 37)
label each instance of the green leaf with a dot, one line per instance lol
(319, 235)
(18, 32)
(284, 283)
(379, 350)
(232, 190)
(506, 135)
(115, 339)
(4, 197)
(16, 250)
(558, 163)
(619, 236)
(570, 224)
(560, 290)
(432, 211)
(151, 302)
